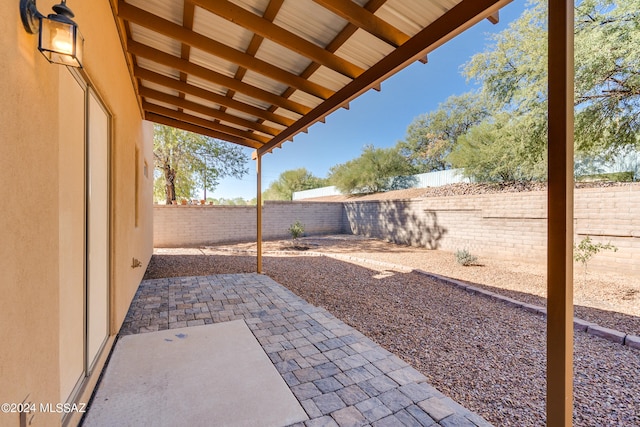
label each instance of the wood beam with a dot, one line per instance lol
(155, 55)
(259, 213)
(188, 15)
(269, 30)
(337, 42)
(157, 118)
(495, 18)
(560, 215)
(153, 77)
(204, 123)
(191, 38)
(202, 109)
(366, 20)
(456, 20)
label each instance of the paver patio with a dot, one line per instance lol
(339, 376)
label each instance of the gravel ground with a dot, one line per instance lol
(486, 355)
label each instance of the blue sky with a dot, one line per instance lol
(377, 118)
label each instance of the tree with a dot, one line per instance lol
(377, 169)
(513, 73)
(432, 136)
(187, 161)
(607, 75)
(291, 181)
(499, 150)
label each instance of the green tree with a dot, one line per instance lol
(187, 161)
(291, 181)
(513, 73)
(377, 169)
(607, 75)
(431, 137)
(500, 150)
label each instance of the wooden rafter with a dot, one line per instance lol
(228, 130)
(337, 42)
(179, 124)
(213, 47)
(171, 83)
(269, 30)
(188, 16)
(453, 22)
(202, 109)
(268, 111)
(208, 124)
(362, 18)
(190, 68)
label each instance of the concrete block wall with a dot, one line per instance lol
(611, 215)
(506, 225)
(481, 223)
(193, 225)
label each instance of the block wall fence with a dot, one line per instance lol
(505, 225)
(201, 225)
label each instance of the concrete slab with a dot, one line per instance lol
(212, 375)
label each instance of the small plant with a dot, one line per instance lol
(296, 230)
(586, 249)
(465, 258)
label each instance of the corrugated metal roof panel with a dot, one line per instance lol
(284, 58)
(160, 88)
(206, 84)
(251, 101)
(265, 83)
(363, 49)
(287, 113)
(220, 29)
(305, 99)
(212, 62)
(242, 115)
(273, 125)
(162, 104)
(413, 15)
(196, 114)
(256, 6)
(160, 69)
(201, 101)
(171, 10)
(328, 78)
(155, 40)
(310, 21)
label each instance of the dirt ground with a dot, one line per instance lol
(609, 299)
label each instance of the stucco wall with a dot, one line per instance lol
(29, 220)
(188, 226)
(106, 66)
(38, 163)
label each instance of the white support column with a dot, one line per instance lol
(560, 216)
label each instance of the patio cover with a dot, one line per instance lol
(258, 72)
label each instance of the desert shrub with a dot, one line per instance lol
(465, 258)
(586, 249)
(296, 230)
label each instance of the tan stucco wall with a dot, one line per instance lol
(106, 66)
(33, 221)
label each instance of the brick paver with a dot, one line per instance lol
(340, 377)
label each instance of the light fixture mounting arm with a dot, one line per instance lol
(30, 16)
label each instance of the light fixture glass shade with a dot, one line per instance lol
(61, 42)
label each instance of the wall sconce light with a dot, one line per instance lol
(59, 39)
